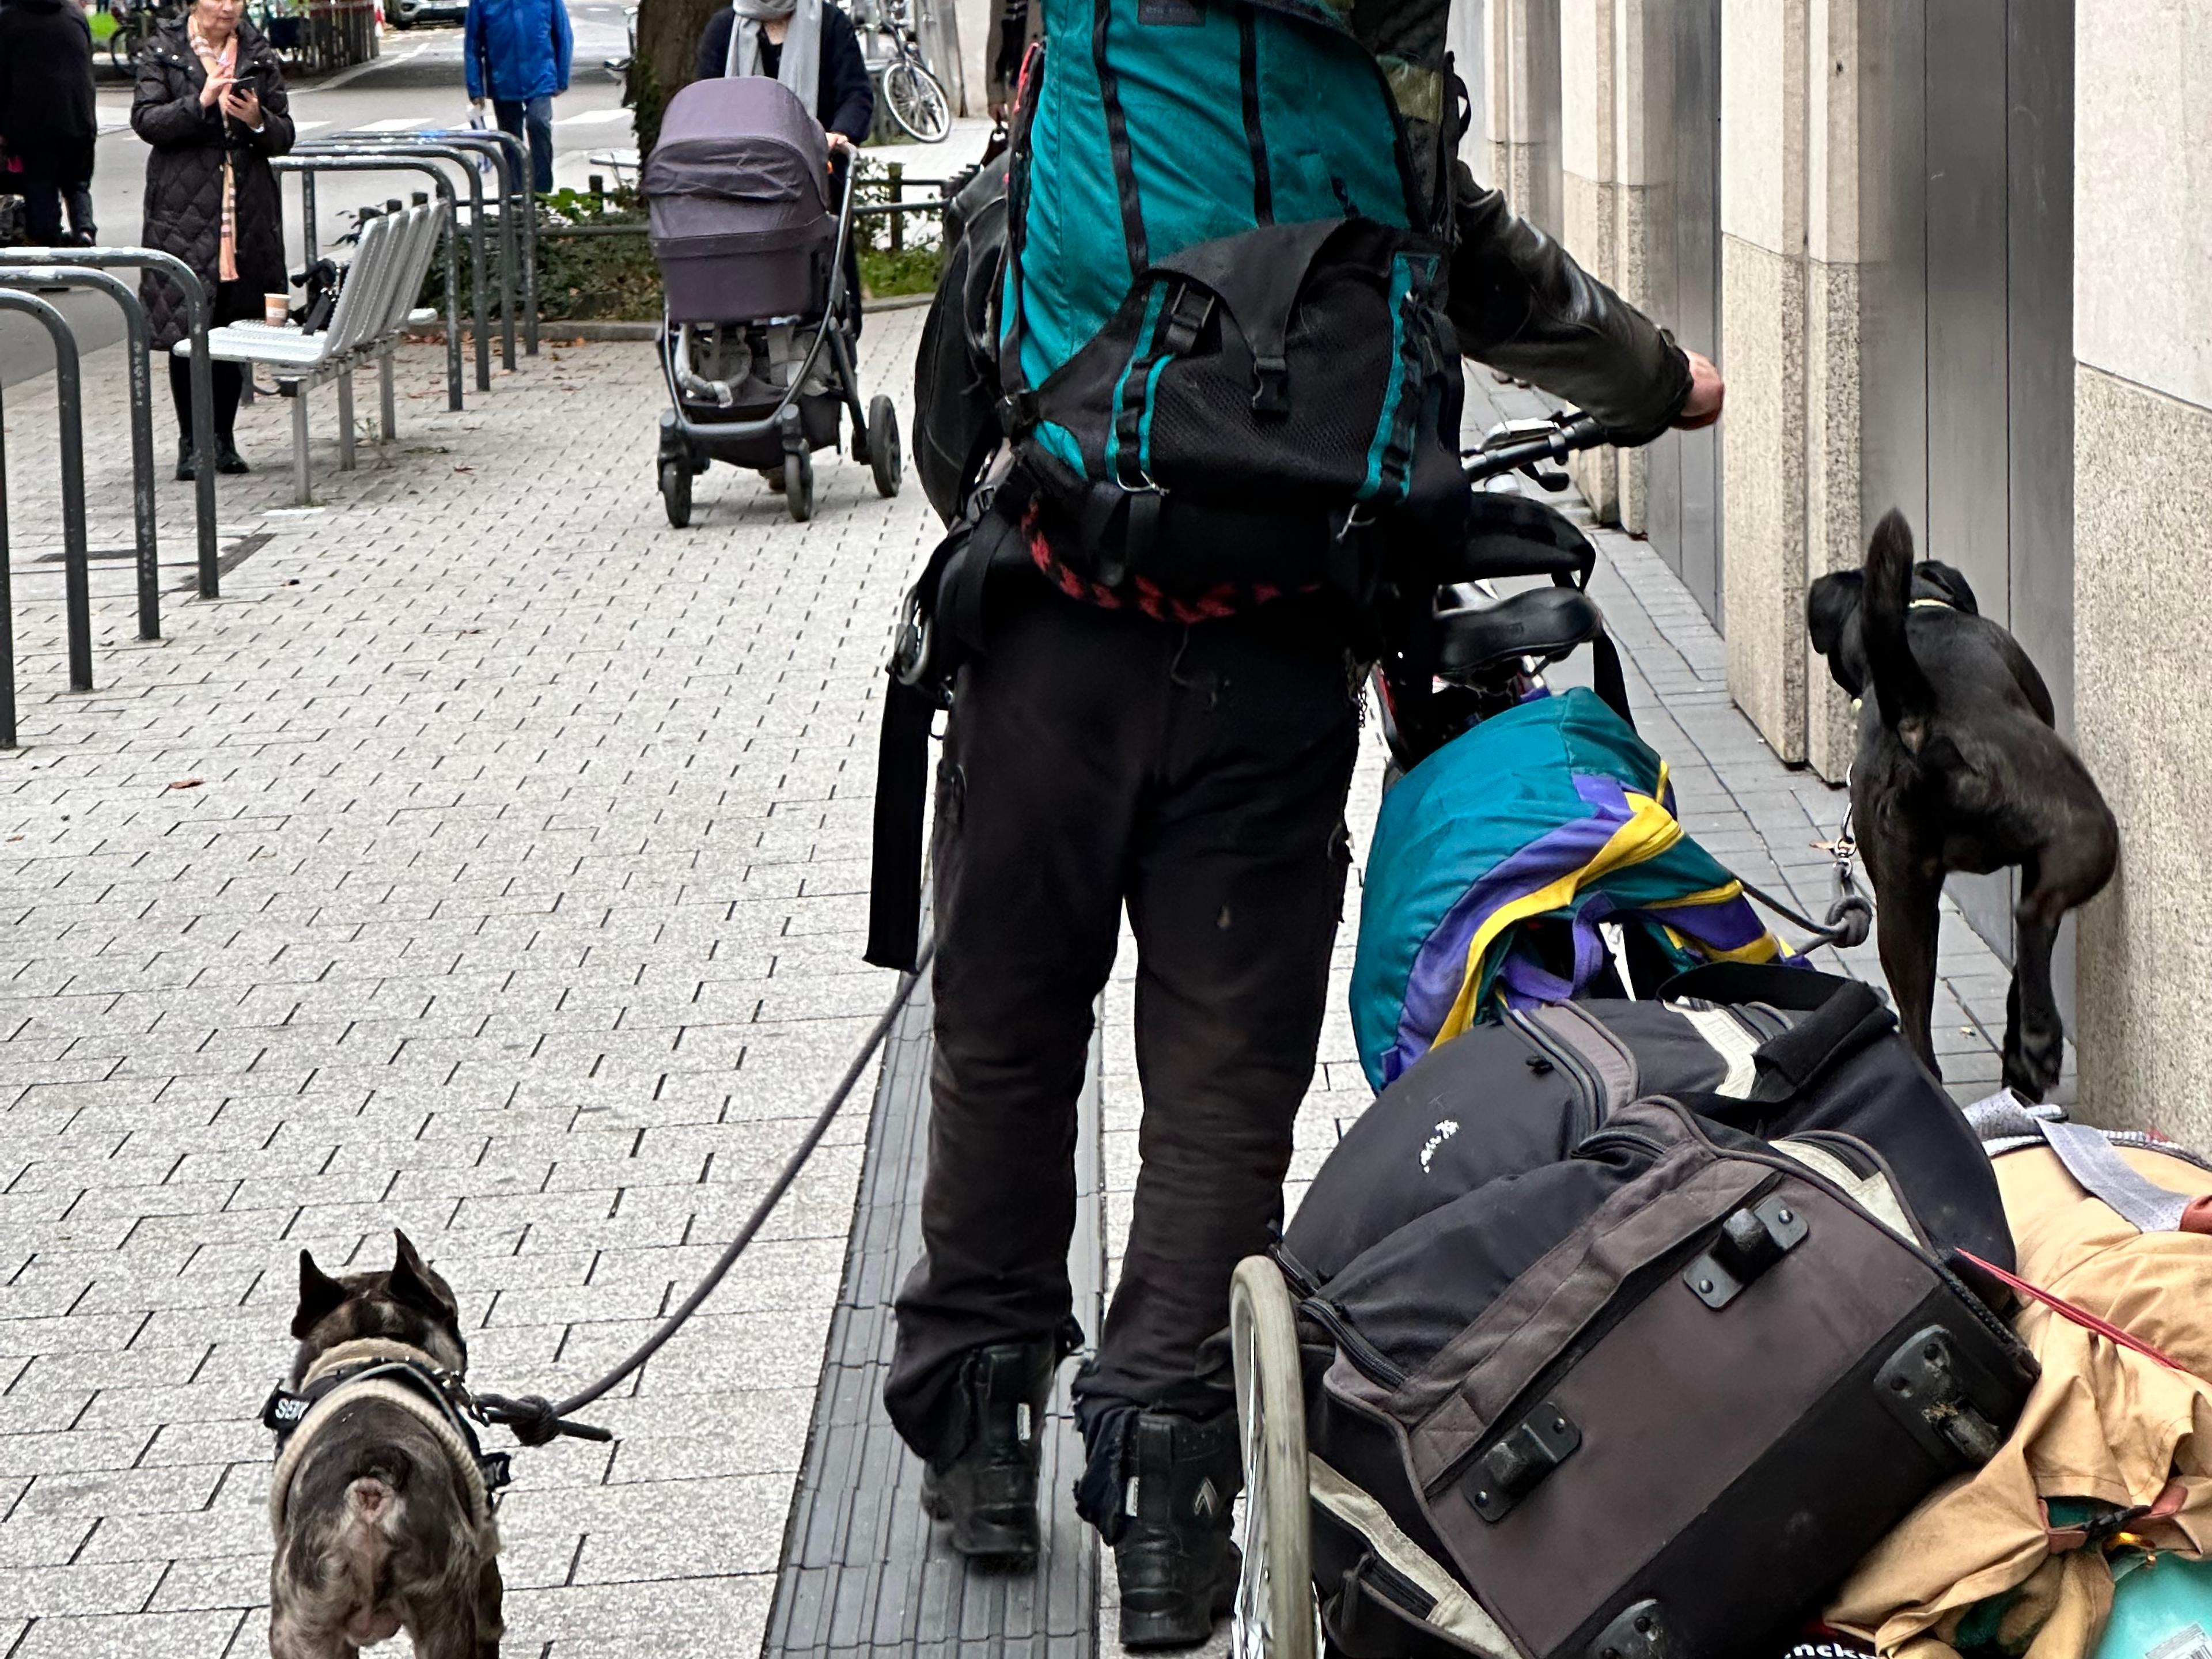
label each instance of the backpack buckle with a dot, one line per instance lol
(1271, 395)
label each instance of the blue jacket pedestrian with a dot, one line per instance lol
(516, 53)
(521, 48)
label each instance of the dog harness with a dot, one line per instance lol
(399, 1375)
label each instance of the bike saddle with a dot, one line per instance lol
(1478, 632)
(1511, 535)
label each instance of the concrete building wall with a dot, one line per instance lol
(2143, 595)
(1764, 111)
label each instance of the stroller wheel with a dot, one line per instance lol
(1273, 1614)
(798, 485)
(676, 491)
(883, 457)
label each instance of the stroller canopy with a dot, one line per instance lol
(742, 167)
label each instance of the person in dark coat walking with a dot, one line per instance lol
(211, 101)
(517, 53)
(47, 121)
(811, 46)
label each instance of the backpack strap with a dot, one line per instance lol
(2005, 1123)
(1017, 402)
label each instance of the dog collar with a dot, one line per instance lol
(403, 1376)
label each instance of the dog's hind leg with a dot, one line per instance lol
(2035, 1036)
(1907, 912)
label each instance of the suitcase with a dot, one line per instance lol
(1653, 1398)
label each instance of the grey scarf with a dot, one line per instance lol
(801, 67)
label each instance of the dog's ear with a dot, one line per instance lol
(417, 1286)
(320, 1296)
(1830, 604)
(1950, 583)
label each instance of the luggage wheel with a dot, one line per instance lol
(1275, 1616)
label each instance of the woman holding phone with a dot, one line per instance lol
(211, 102)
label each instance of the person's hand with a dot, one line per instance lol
(839, 142)
(243, 104)
(1707, 392)
(476, 105)
(217, 85)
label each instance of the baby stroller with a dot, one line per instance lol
(755, 344)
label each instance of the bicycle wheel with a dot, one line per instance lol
(1273, 1616)
(917, 102)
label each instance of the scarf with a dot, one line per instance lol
(211, 61)
(801, 67)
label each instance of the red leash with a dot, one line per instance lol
(2065, 1310)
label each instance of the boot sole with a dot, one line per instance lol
(1185, 1627)
(1013, 1541)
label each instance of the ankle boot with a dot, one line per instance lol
(187, 467)
(1176, 1566)
(989, 1492)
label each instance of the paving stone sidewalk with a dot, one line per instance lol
(490, 862)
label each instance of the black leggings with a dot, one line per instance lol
(232, 305)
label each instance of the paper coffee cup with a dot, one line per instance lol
(276, 309)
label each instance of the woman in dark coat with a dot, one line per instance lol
(211, 102)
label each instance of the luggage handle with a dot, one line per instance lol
(1517, 1462)
(1751, 1240)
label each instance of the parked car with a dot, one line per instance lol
(406, 14)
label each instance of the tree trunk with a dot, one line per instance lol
(668, 33)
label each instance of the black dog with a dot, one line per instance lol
(381, 1519)
(1959, 767)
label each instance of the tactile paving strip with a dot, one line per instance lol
(864, 1569)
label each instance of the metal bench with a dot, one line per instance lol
(374, 305)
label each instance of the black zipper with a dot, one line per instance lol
(1377, 1366)
(1587, 1091)
(1248, 70)
(1117, 138)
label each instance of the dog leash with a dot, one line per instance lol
(535, 1420)
(1851, 917)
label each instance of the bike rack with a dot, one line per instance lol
(142, 511)
(196, 300)
(525, 199)
(77, 576)
(512, 157)
(308, 166)
(397, 151)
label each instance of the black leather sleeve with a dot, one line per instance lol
(1520, 303)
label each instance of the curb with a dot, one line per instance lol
(596, 330)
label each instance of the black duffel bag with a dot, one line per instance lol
(1596, 1372)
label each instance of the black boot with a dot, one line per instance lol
(228, 459)
(186, 466)
(989, 1492)
(1173, 1556)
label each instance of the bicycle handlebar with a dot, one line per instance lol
(1519, 446)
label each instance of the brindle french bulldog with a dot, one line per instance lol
(379, 1529)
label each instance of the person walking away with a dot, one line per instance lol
(47, 118)
(517, 53)
(811, 46)
(210, 101)
(1163, 713)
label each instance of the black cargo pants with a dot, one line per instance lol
(1196, 775)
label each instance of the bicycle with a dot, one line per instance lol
(914, 96)
(134, 23)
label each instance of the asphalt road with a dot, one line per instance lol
(416, 83)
